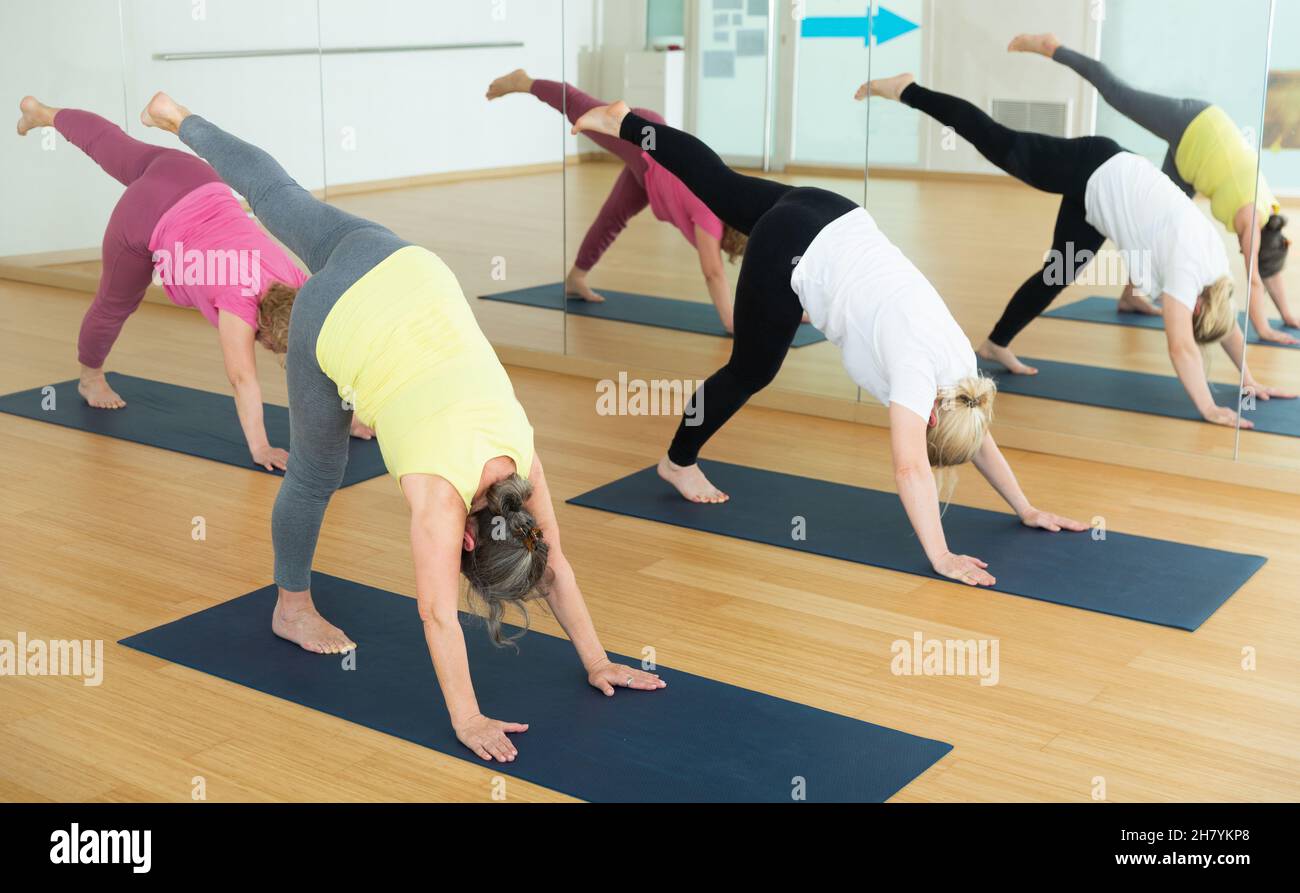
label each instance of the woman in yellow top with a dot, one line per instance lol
(1207, 154)
(382, 328)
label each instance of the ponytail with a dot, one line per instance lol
(963, 414)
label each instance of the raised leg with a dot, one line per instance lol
(1165, 116)
(573, 104)
(737, 199)
(123, 158)
(1044, 162)
(309, 227)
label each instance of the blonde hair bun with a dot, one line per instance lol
(963, 415)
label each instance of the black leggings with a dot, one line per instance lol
(1049, 163)
(781, 222)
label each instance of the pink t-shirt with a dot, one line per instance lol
(673, 203)
(210, 255)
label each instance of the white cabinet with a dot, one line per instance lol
(657, 80)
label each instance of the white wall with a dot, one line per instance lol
(726, 112)
(410, 113)
(52, 197)
(414, 113)
(272, 102)
(829, 127)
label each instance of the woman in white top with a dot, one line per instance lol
(1171, 248)
(810, 249)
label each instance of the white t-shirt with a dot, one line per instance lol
(895, 334)
(1169, 246)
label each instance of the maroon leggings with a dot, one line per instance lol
(155, 179)
(628, 197)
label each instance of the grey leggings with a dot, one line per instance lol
(338, 249)
(1163, 116)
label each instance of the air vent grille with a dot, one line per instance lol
(1050, 118)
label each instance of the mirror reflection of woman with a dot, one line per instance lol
(174, 199)
(642, 182)
(814, 250)
(382, 328)
(1106, 192)
(1207, 155)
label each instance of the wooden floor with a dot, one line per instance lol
(97, 545)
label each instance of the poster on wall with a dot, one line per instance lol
(1282, 111)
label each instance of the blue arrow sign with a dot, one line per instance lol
(887, 26)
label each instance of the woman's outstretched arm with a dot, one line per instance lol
(238, 346)
(1185, 354)
(567, 604)
(920, 497)
(997, 471)
(1248, 237)
(1277, 291)
(437, 535)
(1234, 345)
(715, 275)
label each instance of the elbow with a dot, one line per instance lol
(909, 472)
(1183, 349)
(438, 620)
(559, 576)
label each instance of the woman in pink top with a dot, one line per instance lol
(177, 221)
(642, 181)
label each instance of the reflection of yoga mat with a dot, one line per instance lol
(642, 310)
(1099, 309)
(1136, 392)
(183, 420)
(696, 740)
(1129, 576)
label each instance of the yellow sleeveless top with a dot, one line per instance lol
(404, 349)
(1215, 158)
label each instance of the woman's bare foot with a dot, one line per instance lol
(94, 390)
(1131, 302)
(164, 113)
(516, 81)
(35, 114)
(575, 283)
(990, 351)
(888, 88)
(606, 119)
(297, 620)
(1042, 44)
(690, 482)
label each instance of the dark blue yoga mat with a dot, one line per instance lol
(695, 741)
(1136, 392)
(180, 419)
(643, 310)
(1171, 584)
(1102, 310)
